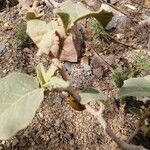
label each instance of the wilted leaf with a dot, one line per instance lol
(42, 34)
(135, 87)
(71, 12)
(56, 82)
(20, 97)
(91, 94)
(30, 15)
(146, 130)
(74, 104)
(135, 111)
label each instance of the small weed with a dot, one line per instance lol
(141, 63)
(118, 77)
(22, 39)
(97, 28)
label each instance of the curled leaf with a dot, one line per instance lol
(71, 12)
(74, 104)
(42, 34)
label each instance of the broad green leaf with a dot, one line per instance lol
(71, 12)
(41, 74)
(56, 82)
(20, 97)
(135, 87)
(42, 34)
(103, 17)
(135, 111)
(91, 94)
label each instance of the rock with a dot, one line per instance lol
(119, 20)
(100, 64)
(87, 68)
(68, 66)
(98, 72)
(84, 61)
(2, 47)
(72, 47)
(15, 142)
(103, 61)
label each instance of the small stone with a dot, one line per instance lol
(68, 65)
(130, 6)
(98, 72)
(87, 68)
(2, 47)
(84, 61)
(15, 142)
(40, 115)
(58, 122)
(3, 142)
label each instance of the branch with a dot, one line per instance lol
(139, 124)
(106, 127)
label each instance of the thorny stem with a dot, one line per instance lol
(139, 124)
(106, 127)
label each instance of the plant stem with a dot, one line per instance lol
(139, 124)
(106, 127)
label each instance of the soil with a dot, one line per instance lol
(56, 125)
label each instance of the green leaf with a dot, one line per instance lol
(135, 111)
(135, 87)
(20, 97)
(42, 34)
(41, 74)
(71, 12)
(56, 82)
(103, 17)
(91, 94)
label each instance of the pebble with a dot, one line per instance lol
(15, 142)
(2, 47)
(87, 68)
